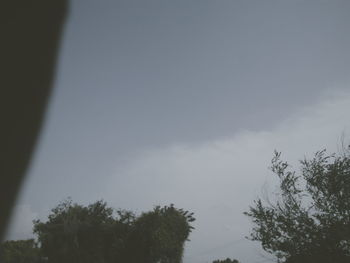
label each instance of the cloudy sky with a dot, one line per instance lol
(184, 102)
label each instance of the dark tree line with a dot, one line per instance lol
(20, 251)
(308, 222)
(227, 260)
(95, 234)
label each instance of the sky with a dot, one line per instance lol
(184, 102)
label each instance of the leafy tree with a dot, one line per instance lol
(159, 235)
(75, 233)
(310, 221)
(20, 251)
(227, 260)
(95, 234)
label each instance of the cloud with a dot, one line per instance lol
(21, 223)
(219, 179)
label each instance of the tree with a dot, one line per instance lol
(95, 234)
(20, 251)
(310, 221)
(159, 235)
(227, 260)
(75, 233)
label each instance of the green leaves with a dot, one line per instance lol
(310, 221)
(159, 235)
(20, 251)
(98, 234)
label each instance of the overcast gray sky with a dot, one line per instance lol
(183, 102)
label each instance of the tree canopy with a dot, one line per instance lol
(307, 222)
(310, 220)
(20, 251)
(98, 234)
(159, 235)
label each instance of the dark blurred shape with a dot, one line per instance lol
(30, 36)
(95, 233)
(20, 251)
(227, 260)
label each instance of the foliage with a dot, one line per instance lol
(159, 235)
(227, 260)
(20, 251)
(310, 221)
(75, 233)
(95, 234)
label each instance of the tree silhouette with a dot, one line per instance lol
(310, 221)
(95, 234)
(20, 251)
(75, 233)
(159, 235)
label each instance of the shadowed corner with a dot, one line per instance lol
(30, 38)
